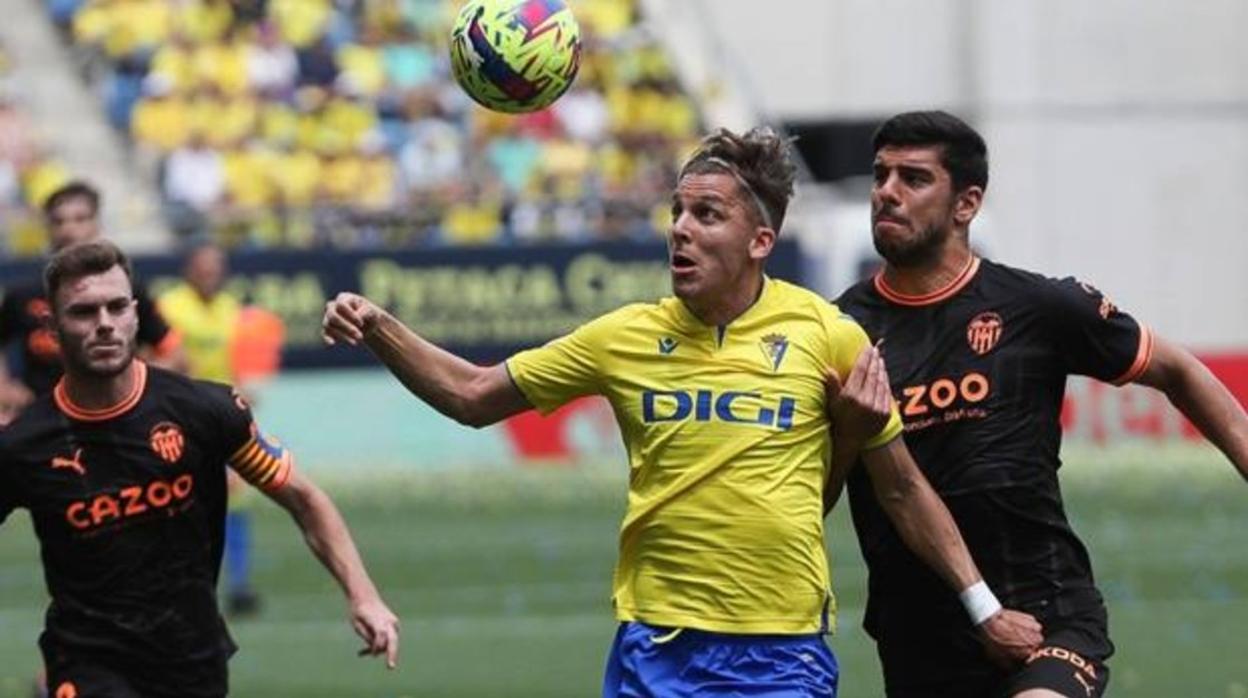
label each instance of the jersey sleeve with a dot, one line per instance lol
(847, 340)
(259, 459)
(153, 330)
(1094, 337)
(565, 368)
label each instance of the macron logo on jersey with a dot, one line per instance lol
(667, 345)
(733, 406)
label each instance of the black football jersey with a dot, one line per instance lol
(979, 371)
(24, 314)
(129, 505)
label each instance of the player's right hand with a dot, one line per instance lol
(859, 408)
(1011, 636)
(377, 625)
(347, 318)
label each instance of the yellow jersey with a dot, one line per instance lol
(728, 446)
(207, 329)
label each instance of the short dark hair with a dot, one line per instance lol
(72, 190)
(759, 158)
(83, 259)
(962, 150)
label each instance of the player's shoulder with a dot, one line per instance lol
(189, 393)
(859, 297)
(34, 424)
(1035, 287)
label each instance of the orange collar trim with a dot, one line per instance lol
(959, 282)
(66, 405)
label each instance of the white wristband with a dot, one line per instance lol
(979, 601)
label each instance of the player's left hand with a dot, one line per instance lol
(1011, 636)
(377, 625)
(860, 407)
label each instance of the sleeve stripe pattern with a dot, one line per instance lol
(1142, 358)
(263, 462)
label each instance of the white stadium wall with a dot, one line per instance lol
(1118, 129)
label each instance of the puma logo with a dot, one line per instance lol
(73, 463)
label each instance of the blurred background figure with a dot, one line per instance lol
(210, 320)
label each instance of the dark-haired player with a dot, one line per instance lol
(72, 215)
(978, 354)
(122, 468)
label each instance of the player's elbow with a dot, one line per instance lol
(473, 408)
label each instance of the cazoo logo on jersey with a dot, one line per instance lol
(733, 406)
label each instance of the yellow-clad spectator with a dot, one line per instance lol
(279, 123)
(363, 67)
(248, 181)
(378, 176)
(616, 167)
(341, 171)
(473, 220)
(566, 158)
(349, 119)
(205, 21)
(606, 18)
(124, 28)
(163, 119)
(42, 178)
(296, 177)
(224, 122)
(223, 65)
(680, 118)
(173, 65)
(301, 22)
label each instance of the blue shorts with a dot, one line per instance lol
(661, 662)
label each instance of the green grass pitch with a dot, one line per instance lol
(502, 582)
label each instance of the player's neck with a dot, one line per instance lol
(721, 309)
(94, 392)
(931, 276)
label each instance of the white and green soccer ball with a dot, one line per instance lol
(515, 55)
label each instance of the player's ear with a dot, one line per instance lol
(762, 243)
(966, 205)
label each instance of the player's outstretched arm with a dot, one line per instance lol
(327, 535)
(1201, 397)
(470, 394)
(928, 529)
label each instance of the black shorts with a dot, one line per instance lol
(1070, 662)
(77, 674)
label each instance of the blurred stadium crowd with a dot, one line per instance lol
(307, 123)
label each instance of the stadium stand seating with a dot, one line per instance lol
(28, 172)
(307, 123)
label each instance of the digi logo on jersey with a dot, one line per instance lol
(736, 407)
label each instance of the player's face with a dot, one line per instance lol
(72, 221)
(96, 323)
(912, 204)
(715, 244)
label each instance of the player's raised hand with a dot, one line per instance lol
(347, 317)
(860, 407)
(377, 625)
(1011, 636)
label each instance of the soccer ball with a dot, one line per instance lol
(515, 55)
